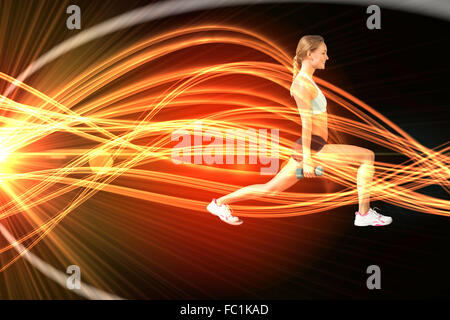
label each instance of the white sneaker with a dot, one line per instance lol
(224, 212)
(371, 218)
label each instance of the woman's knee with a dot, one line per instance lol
(261, 189)
(369, 156)
(270, 189)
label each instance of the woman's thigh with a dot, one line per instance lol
(330, 155)
(344, 154)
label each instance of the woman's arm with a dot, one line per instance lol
(303, 98)
(306, 136)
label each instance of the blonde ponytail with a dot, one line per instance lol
(296, 67)
(295, 72)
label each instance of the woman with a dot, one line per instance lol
(311, 53)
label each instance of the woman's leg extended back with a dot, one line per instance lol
(285, 178)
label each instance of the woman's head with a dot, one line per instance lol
(311, 49)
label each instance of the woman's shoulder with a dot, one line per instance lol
(301, 83)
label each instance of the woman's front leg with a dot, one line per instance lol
(364, 179)
(344, 157)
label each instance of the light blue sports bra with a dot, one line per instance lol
(319, 104)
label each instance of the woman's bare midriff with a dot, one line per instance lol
(319, 125)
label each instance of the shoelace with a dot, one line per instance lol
(379, 215)
(230, 215)
(229, 210)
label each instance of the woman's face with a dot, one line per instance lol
(319, 56)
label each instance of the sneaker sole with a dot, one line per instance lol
(372, 225)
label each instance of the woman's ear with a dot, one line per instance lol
(308, 54)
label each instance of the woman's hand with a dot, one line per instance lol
(308, 168)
